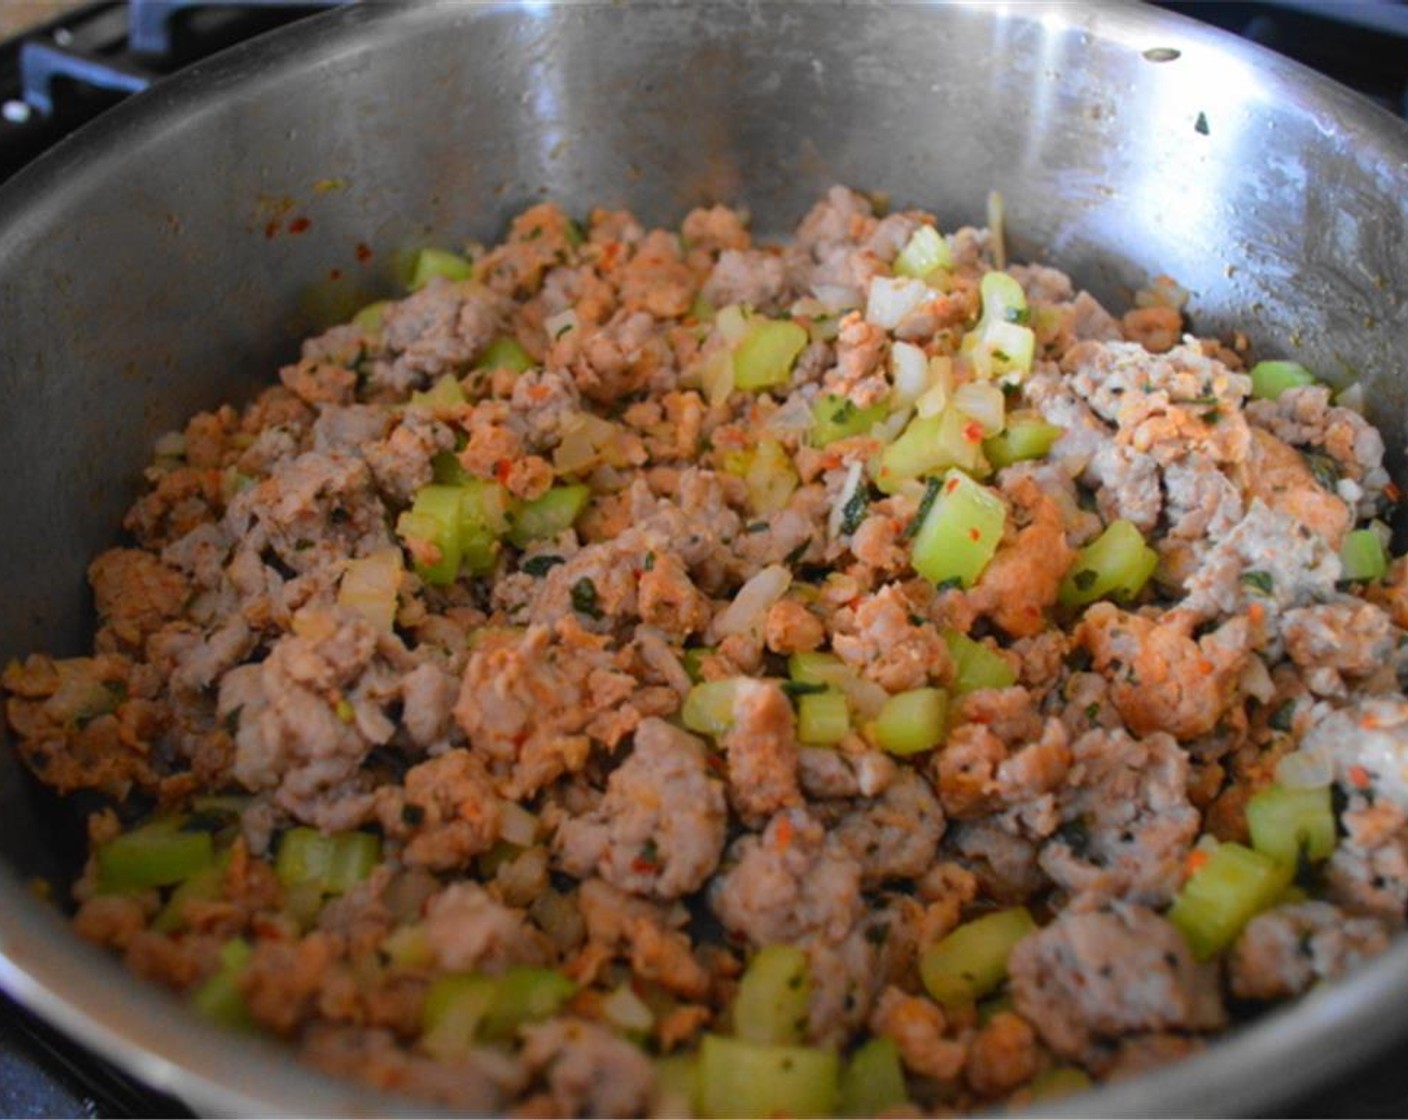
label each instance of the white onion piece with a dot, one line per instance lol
(984, 402)
(1256, 680)
(624, 1009)
(837, 297)
(1305, 769)
(369, 586)
(794, 416)
(1352, 397)
(731, 323)
(910, 369)
(892, 298)
(516, 824)
(997, 234)
(848, 491)
(559, 324)
(936, 397)
(753, 600)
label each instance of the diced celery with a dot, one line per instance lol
(1021, 440)
(505, 353)
(371, 317)
(1286, 823)
(1271, 379)
(770, 478)
(912, 721)
(677, 1083)
(547, 515)
(445, 393)
(525, 995)
(1060, 1081)
(447, 470)
(817, 668)
(1001, 345)
(335, 862)
(434, 517)
(738, 1078)
(701, 310)
(463, 1007)
(708, 708)
(835, 417)
(438, 262)
(961, 532)
(1115, 564)
(822, 719)
(454, 1008)
(972, 960)
(219, 998)
(157, 854)
(1224, 894)
(925, 252)
(764, 356)
(693, 662)
(976, 665)
(483, 519)
(771, 1005)
(1362, 556)
(873, 1082)
(204, 886)
(930, 444)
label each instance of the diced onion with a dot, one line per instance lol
(837, 297)
(516, 824)
(1305, 769)
(794, 416)
(626, 1010)
(1256, 680)
(910, 369)
(892, 298)
(753, 600)
(716, 377)
(984, 402)
(559, 324)
(936, 397)
(848, 491)
(731, 323)
(997, 234)
(1352, 397)
(894, 424)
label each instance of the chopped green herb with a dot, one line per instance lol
(649, 564)
(1211, 416)
(801, 688)
(926, 503)
(1200, 126)
(1258, 580)
(540, 565)
(1280, 719)
(1323, 468)
(798, 552)
(1092, 710)
(1084, 579)
(756, 527)
(953, 583)
(584, 598)
(853, 512)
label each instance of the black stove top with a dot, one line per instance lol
(64, 73)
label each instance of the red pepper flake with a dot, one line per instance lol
(974, 535)
(951, 486)
(272, 229)
(1359, 778)
(502, 469)
(299, 225)
(1392, 492)
(973, 432)
(784, 834)
(1196, 859)
(363, 251)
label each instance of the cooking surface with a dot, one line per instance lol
(82, 57)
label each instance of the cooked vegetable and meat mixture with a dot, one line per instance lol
(651, 672)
